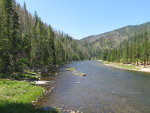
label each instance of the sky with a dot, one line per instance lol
(82, 18)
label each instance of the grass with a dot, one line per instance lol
(26, 75)
(80, 74)
(70, 69)
(17, 97)
(106, 62)
(75, 72)
(124, 66)
(127, 66)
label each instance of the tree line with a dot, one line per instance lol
(135, 50)
(27, 42)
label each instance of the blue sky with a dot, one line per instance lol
(81, 18)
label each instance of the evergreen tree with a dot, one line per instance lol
(146, 49)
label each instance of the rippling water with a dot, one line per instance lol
(103, 90)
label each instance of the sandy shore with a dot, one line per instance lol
(147, 69)
(141, 68)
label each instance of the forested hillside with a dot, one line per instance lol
(135, 50)
(26, 42)
(130, 44)
(114, 38)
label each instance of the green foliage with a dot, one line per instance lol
(27, 75)
(27, 42)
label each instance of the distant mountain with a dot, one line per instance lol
(114, 38)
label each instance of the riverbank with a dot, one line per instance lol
(127, 66)
(17, 97)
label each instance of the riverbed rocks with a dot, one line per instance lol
(51, 109)
(41, 82)
(69, 111)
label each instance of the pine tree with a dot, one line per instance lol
(52, 44)
(6, 41)
(146, 49)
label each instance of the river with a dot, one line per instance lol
(103, 89)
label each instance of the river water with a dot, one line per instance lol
(103, 89)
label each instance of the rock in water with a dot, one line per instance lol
(51, 109)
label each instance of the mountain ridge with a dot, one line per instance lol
(113, 38)
(91, 36)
